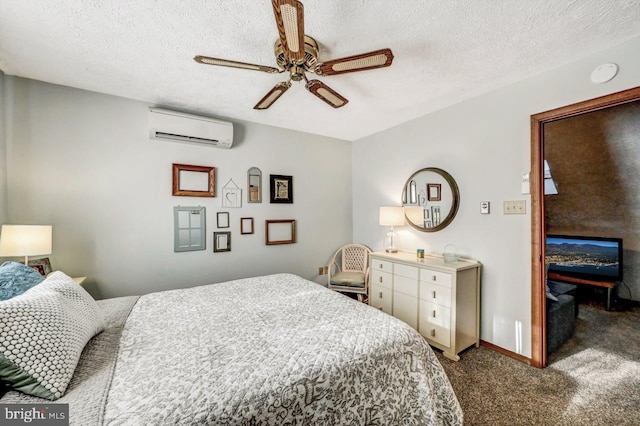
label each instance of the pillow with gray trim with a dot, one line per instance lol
(16, 278)
(42, 334)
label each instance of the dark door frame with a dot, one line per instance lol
(538, 296)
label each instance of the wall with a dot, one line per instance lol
(484, 143)
(3, 162)
(83, 162)
(595, 162)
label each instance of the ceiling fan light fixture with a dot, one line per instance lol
(290, 21)
(326, 93)
(367, 61)
(370, 62)
(234, 64)
(273, 95)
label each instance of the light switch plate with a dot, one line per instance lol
(515, 207)
(485, 207)
(525, 185)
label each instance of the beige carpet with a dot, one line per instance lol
(593, 379)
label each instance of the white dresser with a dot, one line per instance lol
(441, 300)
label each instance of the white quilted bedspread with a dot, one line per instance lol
(273, 350)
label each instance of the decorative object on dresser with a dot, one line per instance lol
(348, 271)
(194, 181)
(391, 216)
(441, 300)
(189, 228)
(442, 200)
(281, 189)
(25, 240)
(42, 265)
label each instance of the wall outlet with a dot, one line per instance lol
(323, 270)
(515, 207)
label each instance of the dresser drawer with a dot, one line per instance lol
(406, 271)
(435, 294)
(405, 285)
(435, 314)
(405, 308)
(381, 298)
(381, 265)
(383, 279)
(435, 333)
(435, 277)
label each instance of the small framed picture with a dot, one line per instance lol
(427, 224)
(282, 231)
(221, 241)
(281, 189)
(426, 214)
(222, 219)
(433, 192)
(246, 225)
(41, 265)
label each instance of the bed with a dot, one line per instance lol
(276, 349)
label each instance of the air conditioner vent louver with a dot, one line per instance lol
(180, 127)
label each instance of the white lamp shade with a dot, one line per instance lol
(392, 216)
(415, 214)
(25, 240)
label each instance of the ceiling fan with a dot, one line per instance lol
(297, 54)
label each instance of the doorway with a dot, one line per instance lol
(538, 296)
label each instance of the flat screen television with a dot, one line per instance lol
(590, 258)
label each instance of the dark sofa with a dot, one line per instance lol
(561, 313)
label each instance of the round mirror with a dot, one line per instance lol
(431, 199)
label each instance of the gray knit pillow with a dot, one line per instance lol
(42, 334)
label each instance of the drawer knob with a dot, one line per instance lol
(380, 295)
(434, 294)
(434, 278)
(434, 313)
(381, 266)
(380, 278)
(433, 332)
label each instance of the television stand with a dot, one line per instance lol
(610, 285)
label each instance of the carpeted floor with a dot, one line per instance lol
(593, 379)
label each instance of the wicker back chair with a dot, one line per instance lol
(349, 270)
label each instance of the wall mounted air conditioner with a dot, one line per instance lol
(180, 127)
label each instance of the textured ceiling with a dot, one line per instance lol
(444, 52)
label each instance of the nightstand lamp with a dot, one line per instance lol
(25, 240)
(391, 216)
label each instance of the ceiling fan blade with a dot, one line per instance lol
(234, 64)
(290, 21)
(273, 95)
(326, 93)
(366, 61)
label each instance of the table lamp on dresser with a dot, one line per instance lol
(391, 216)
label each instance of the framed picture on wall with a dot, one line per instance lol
(222, 219)
(221, 242)
(281, 189)
(433, 191)
(246, 225)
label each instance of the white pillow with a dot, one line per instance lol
(42, 334)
